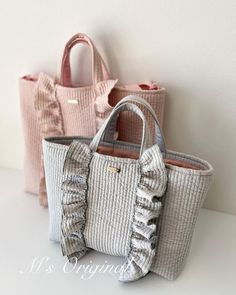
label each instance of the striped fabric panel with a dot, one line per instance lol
(49, 109)
(110, 212)
(32, 138)
(182, 202)
(83, 108)
(130, 125)
(54, 156)
(185, 193)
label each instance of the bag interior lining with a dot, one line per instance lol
(130, 150)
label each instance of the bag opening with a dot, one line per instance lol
(128, 150)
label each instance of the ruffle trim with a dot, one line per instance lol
(151, 187)
(101, 105)
(50, 121)
(47, 107)
(74, 202)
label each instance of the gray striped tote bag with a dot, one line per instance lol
(188, 181)
(110, 203)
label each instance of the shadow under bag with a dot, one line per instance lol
(105, 187)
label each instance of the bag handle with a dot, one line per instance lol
(159, 137)
(99, 71)
(126, 106)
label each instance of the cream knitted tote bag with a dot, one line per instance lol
(187, 187)
(111, 204)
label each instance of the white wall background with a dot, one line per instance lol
(187, 46)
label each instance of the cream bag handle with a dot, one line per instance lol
(126, 105)
(159, 137)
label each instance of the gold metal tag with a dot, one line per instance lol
(113, 169)
(73, 101)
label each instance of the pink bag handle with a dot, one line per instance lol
(99, 71)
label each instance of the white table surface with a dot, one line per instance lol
(210, 269)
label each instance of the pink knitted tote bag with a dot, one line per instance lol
(52, 107)
(55, 108)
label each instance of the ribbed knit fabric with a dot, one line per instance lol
(186, 190)
(57, 116)
(112, 212)
(74, 200)
(54, 156)
(84, 118)
(183, 199)
(54, 151)
(48, 111)
(64, 109)
(31, 132)
(130, 126)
